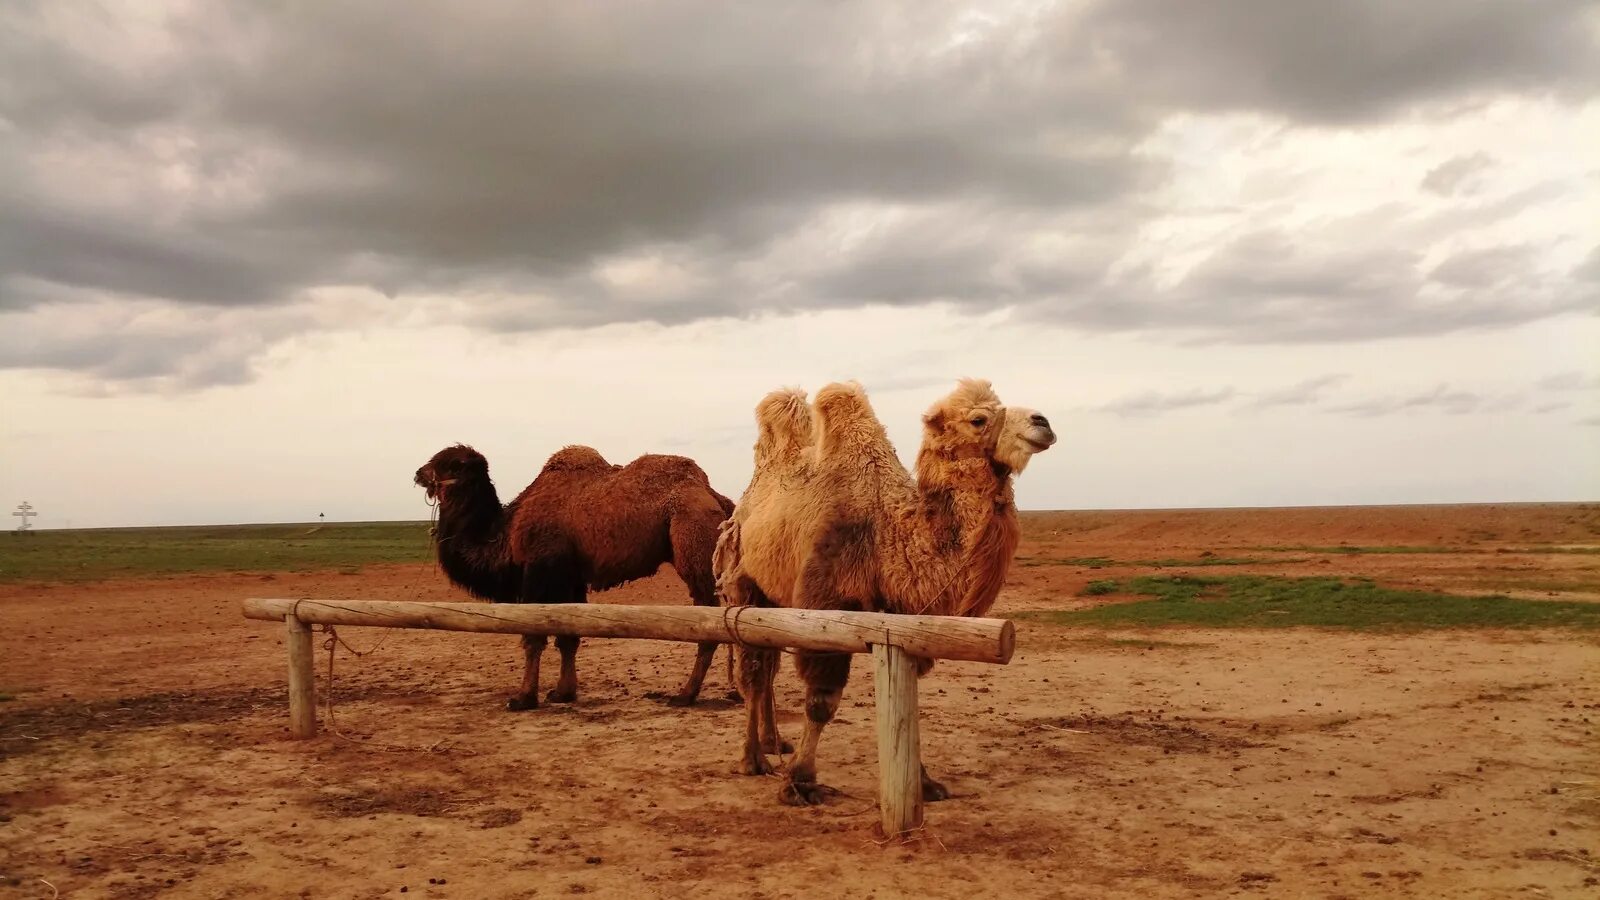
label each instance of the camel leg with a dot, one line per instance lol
(697, 676)
(767, 710)
(566, 689)
(733, 678)
(756, 668)
(691, 557)
(825, 675)
(771, 741)
(527, 697)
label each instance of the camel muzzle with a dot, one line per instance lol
(1040, 437)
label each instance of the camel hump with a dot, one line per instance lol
(576, 458)
(844, 419)
(783, 424)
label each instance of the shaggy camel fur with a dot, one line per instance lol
(832, 520)
(583, 524)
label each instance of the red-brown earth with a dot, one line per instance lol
(146, 751)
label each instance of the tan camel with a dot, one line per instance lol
(832, 520)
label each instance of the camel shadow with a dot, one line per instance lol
(712, 703)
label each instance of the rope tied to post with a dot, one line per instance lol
(331, 643)
(732, 627)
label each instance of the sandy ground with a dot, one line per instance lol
(146, 753)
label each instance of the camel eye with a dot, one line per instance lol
(979, 421)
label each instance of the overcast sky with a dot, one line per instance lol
(259, 260)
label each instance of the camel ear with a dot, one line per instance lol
(933, 419)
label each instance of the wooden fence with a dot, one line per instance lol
(892, 640)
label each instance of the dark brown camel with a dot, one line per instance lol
(583, 524)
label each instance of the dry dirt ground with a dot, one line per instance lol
(146, 752)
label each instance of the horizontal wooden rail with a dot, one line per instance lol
(935, 637)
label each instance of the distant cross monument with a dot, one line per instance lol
(25, 512)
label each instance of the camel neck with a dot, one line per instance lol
(470, 512)
(971, 526)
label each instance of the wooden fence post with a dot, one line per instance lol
(302, 701)
(899, 750)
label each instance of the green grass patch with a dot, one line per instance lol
(92, 554)
(1545, 585)
(1254, 601)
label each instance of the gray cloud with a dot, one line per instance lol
(1270, 287)
(1149, 403)
(1347, 61)
(1457, 174)
(751, 160)
(519, 154)
(144, 346)
(1484, 268)
(1441, 398)
(1570, 380)
(1304, 393)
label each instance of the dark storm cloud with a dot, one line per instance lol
(518, 145)
(242, 155)
(1349, 60)
(42, 246)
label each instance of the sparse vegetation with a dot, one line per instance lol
(1103, 562)
(1350, 548)
(1273, 602)
(1126, 643)
(1422, 549)
(91, 554)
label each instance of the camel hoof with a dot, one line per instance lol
(735, 697)
(681, 700)
(933, 791)
(803, 793)
(559, 696)
(520, 702)
(757, 765)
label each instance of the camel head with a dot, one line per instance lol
(1025, 432)
(972, 423)
(453, 464)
